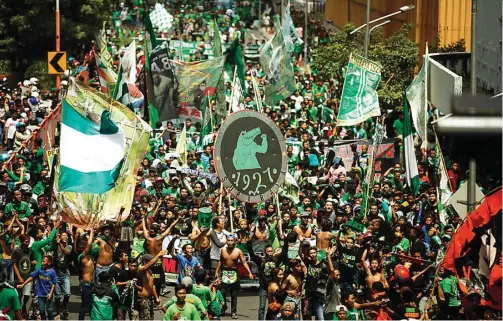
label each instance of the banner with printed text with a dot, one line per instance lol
(359, 99)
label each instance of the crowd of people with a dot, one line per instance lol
(330, 250)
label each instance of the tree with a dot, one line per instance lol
(27, 27)
(397, 54)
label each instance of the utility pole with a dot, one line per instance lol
(58, 48)
(472, 179)
(367, 30)
(474, 49)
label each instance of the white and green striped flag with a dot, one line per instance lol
(411, 172)
(126, 92)
(91, 154)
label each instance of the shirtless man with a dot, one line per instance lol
(106, 254)
(303, 230)
(229, 258)
(293, 284)
(145, 286)
(324, 238)
(153, 244)
(86, 277)
(199, 236)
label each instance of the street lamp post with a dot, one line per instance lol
(366, 25)
(367, 39)
(58, 47)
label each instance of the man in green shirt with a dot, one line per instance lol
(398, 124)
(9, 299)
(182, 310)
(17, 206)
(190, 298)
(449, 285)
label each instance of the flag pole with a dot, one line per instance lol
(254, 85)
(230, 212)
(425, 65)
(233, 89)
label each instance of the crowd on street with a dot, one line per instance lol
(326, 248)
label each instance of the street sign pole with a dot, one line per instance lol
(58, 79)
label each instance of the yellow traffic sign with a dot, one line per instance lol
(56, 62)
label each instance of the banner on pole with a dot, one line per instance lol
(359, 99)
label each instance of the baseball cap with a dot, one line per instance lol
(340, 308)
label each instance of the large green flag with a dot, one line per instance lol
(196, 81)
(277, 65)
(119, 130)
(359, 100)
(411, 172)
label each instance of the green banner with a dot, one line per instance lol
(196, 82)
(277, 65)
(359, 99)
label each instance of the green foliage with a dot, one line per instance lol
(27, 27)
(456, 46)
(397, 54)
(39, 70)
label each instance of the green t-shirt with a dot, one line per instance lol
(189, 312)
(398, 126)
(190, 298)
(22, 209)
(203, 293)
(9, 299)
(450, 287)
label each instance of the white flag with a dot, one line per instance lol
(236, 104)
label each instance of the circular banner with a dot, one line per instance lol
(250, 156)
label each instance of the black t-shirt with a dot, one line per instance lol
(347, 261)
(317, 277)
(22, 258)
(119, 275)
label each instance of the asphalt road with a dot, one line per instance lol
(247, 303)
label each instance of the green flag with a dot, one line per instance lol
(221, 104)
(206, 125)
(277, 65)
(153, 114)
(411, 171)
(234, 58)
(150, 31)
(359, 100)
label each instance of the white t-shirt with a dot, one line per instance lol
(11, 125)
(215, 250)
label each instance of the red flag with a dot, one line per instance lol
(490, 206)
(477, 245)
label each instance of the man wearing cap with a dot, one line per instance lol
(159, 191)
(228, 264)
(341, 312)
